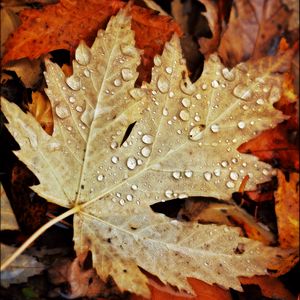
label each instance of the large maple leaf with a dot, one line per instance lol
(183, 143)
(63, 25)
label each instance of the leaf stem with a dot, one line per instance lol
(37, 234)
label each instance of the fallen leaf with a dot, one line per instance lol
(40, 108)
(287, 210)
(173, 151)
(24, 266)
(252, 30)
(227, 214)
(63, 25)
(203, 291)
(270, 287)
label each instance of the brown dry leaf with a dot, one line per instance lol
(183, 143)
(210, 45)
(227, 214)
(63, 25)
(81, 281)
(40, 108)
(287, 210)
(253, 26)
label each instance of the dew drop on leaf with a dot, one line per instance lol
(260, 101)
(131, 163)
(169, 70)
(207, 176)
(228, 75)
(186, 102)
(74, 82)
(168, 193)
(196, 133)
(117, 82)
(100, 177)
(129, 197)
(78, 108)
(165, 111)
(187, 87)
(215, 84)
(242, 91)
(128, 50)
(114, 145)
(72, 99)
(188, 173)
(224, 163)
(230, 184)
(157, 61)
(234, 175)
(146, 151)
(126, 74)
(184, 115)
(114, 159)
(134, 187)
(215, 128)
(176, 175)
(163, 84)
(241, 125)
(62, 111)
(83, 54)
(147, 139)
(217, 172)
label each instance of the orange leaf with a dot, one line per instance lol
(63, 25)
(287, 210)
(270, 287)
(203, 291)
(40, 108)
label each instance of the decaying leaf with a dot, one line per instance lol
(24, 266)
(252, 30)
(183, 143)
(63, 25)
(287, 210)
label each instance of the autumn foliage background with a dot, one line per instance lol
(238, 31)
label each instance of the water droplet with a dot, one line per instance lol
(129, 197)
(137, 93)
(196, 133)
(186, 102)
(230, 184)
(146, 151)
(169, 70)
(165, 111)
(131, 163)
(234, 175)
(127, 74)
(122, 202)
(62, 111)
(188, 173)
(224, 163)
(139, 162)
(114, 145)
(117, 82)
(234, 160)
(83, 54)
(134, 187)
(228, 75)
(147, 139)
(74, 82)
(157, 61)
(198, 96)
(79, 108)
(207, 176)
(182, 196)
(100, 177)
(242, 91)
(163, 84)
(187, 87)
(114, 159)
(260, 101)
(217, 172)
(241, 125)
(215, 84)
(128, 50)
(215, 128)
(86, 73)
(176, 174)
(184, 115)
(72, 99)
(168, 193)
(204, 86)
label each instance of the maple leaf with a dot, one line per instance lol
(183, 144)
(63, 25)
